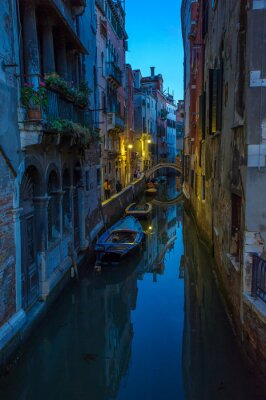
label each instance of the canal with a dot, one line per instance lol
(154, 329)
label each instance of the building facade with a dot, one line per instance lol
(115, 167)
(50, 176)
(225, 152)
(180, 127)
(145, 108)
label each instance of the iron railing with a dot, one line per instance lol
(259, 278)
(60, 108)
(58, 105)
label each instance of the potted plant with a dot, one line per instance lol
(33, 99)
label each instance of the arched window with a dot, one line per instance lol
(53, 207)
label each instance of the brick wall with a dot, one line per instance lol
(7, 245)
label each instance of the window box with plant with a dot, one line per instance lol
(81, 133)
(34, 99)
(78, 96)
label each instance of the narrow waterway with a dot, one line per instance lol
(153, 329)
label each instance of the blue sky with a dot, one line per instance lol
(154, 30)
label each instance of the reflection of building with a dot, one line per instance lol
(120, 299)
(171, 128)
(159, 239)
(211, 356)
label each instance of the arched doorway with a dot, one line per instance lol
(29, 189)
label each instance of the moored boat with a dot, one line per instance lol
(151, 191)
(139, 210)
(121, 240)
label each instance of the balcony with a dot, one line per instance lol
(65, 17)
(259, 278)
(52, 113)
(114, 73)
(115, 122)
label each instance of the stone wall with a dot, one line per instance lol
(115, 207)
(7, 245)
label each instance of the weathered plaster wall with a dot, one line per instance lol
(7, 245)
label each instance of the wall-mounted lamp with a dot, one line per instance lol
(130, 146)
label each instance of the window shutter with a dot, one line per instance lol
(219, 99)
(202, 114)
(215, 100)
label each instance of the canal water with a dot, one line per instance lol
(153, 329)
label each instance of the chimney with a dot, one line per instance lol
(152, 72)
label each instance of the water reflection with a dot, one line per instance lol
(212, 364)
(122, 334)
(84, 346)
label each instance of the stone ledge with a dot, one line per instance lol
(257, 305)
(55, 278)
(11, 328)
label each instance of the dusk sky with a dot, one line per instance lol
(155, 39)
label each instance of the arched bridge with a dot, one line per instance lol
(179, 199)
(151, 171)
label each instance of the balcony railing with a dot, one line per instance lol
(55, 105)
(114, 72)
(60, 108)
(259, 278)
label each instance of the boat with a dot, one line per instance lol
(121, 240)
(151, 191)
(139, 210)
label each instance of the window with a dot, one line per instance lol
(192, 179)
(98, 176)
(205, 20)
(196, 184)
(215, 100)
(202, 114)
(203, 189)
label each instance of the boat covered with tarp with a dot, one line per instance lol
(139, 210)
(121, 240)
